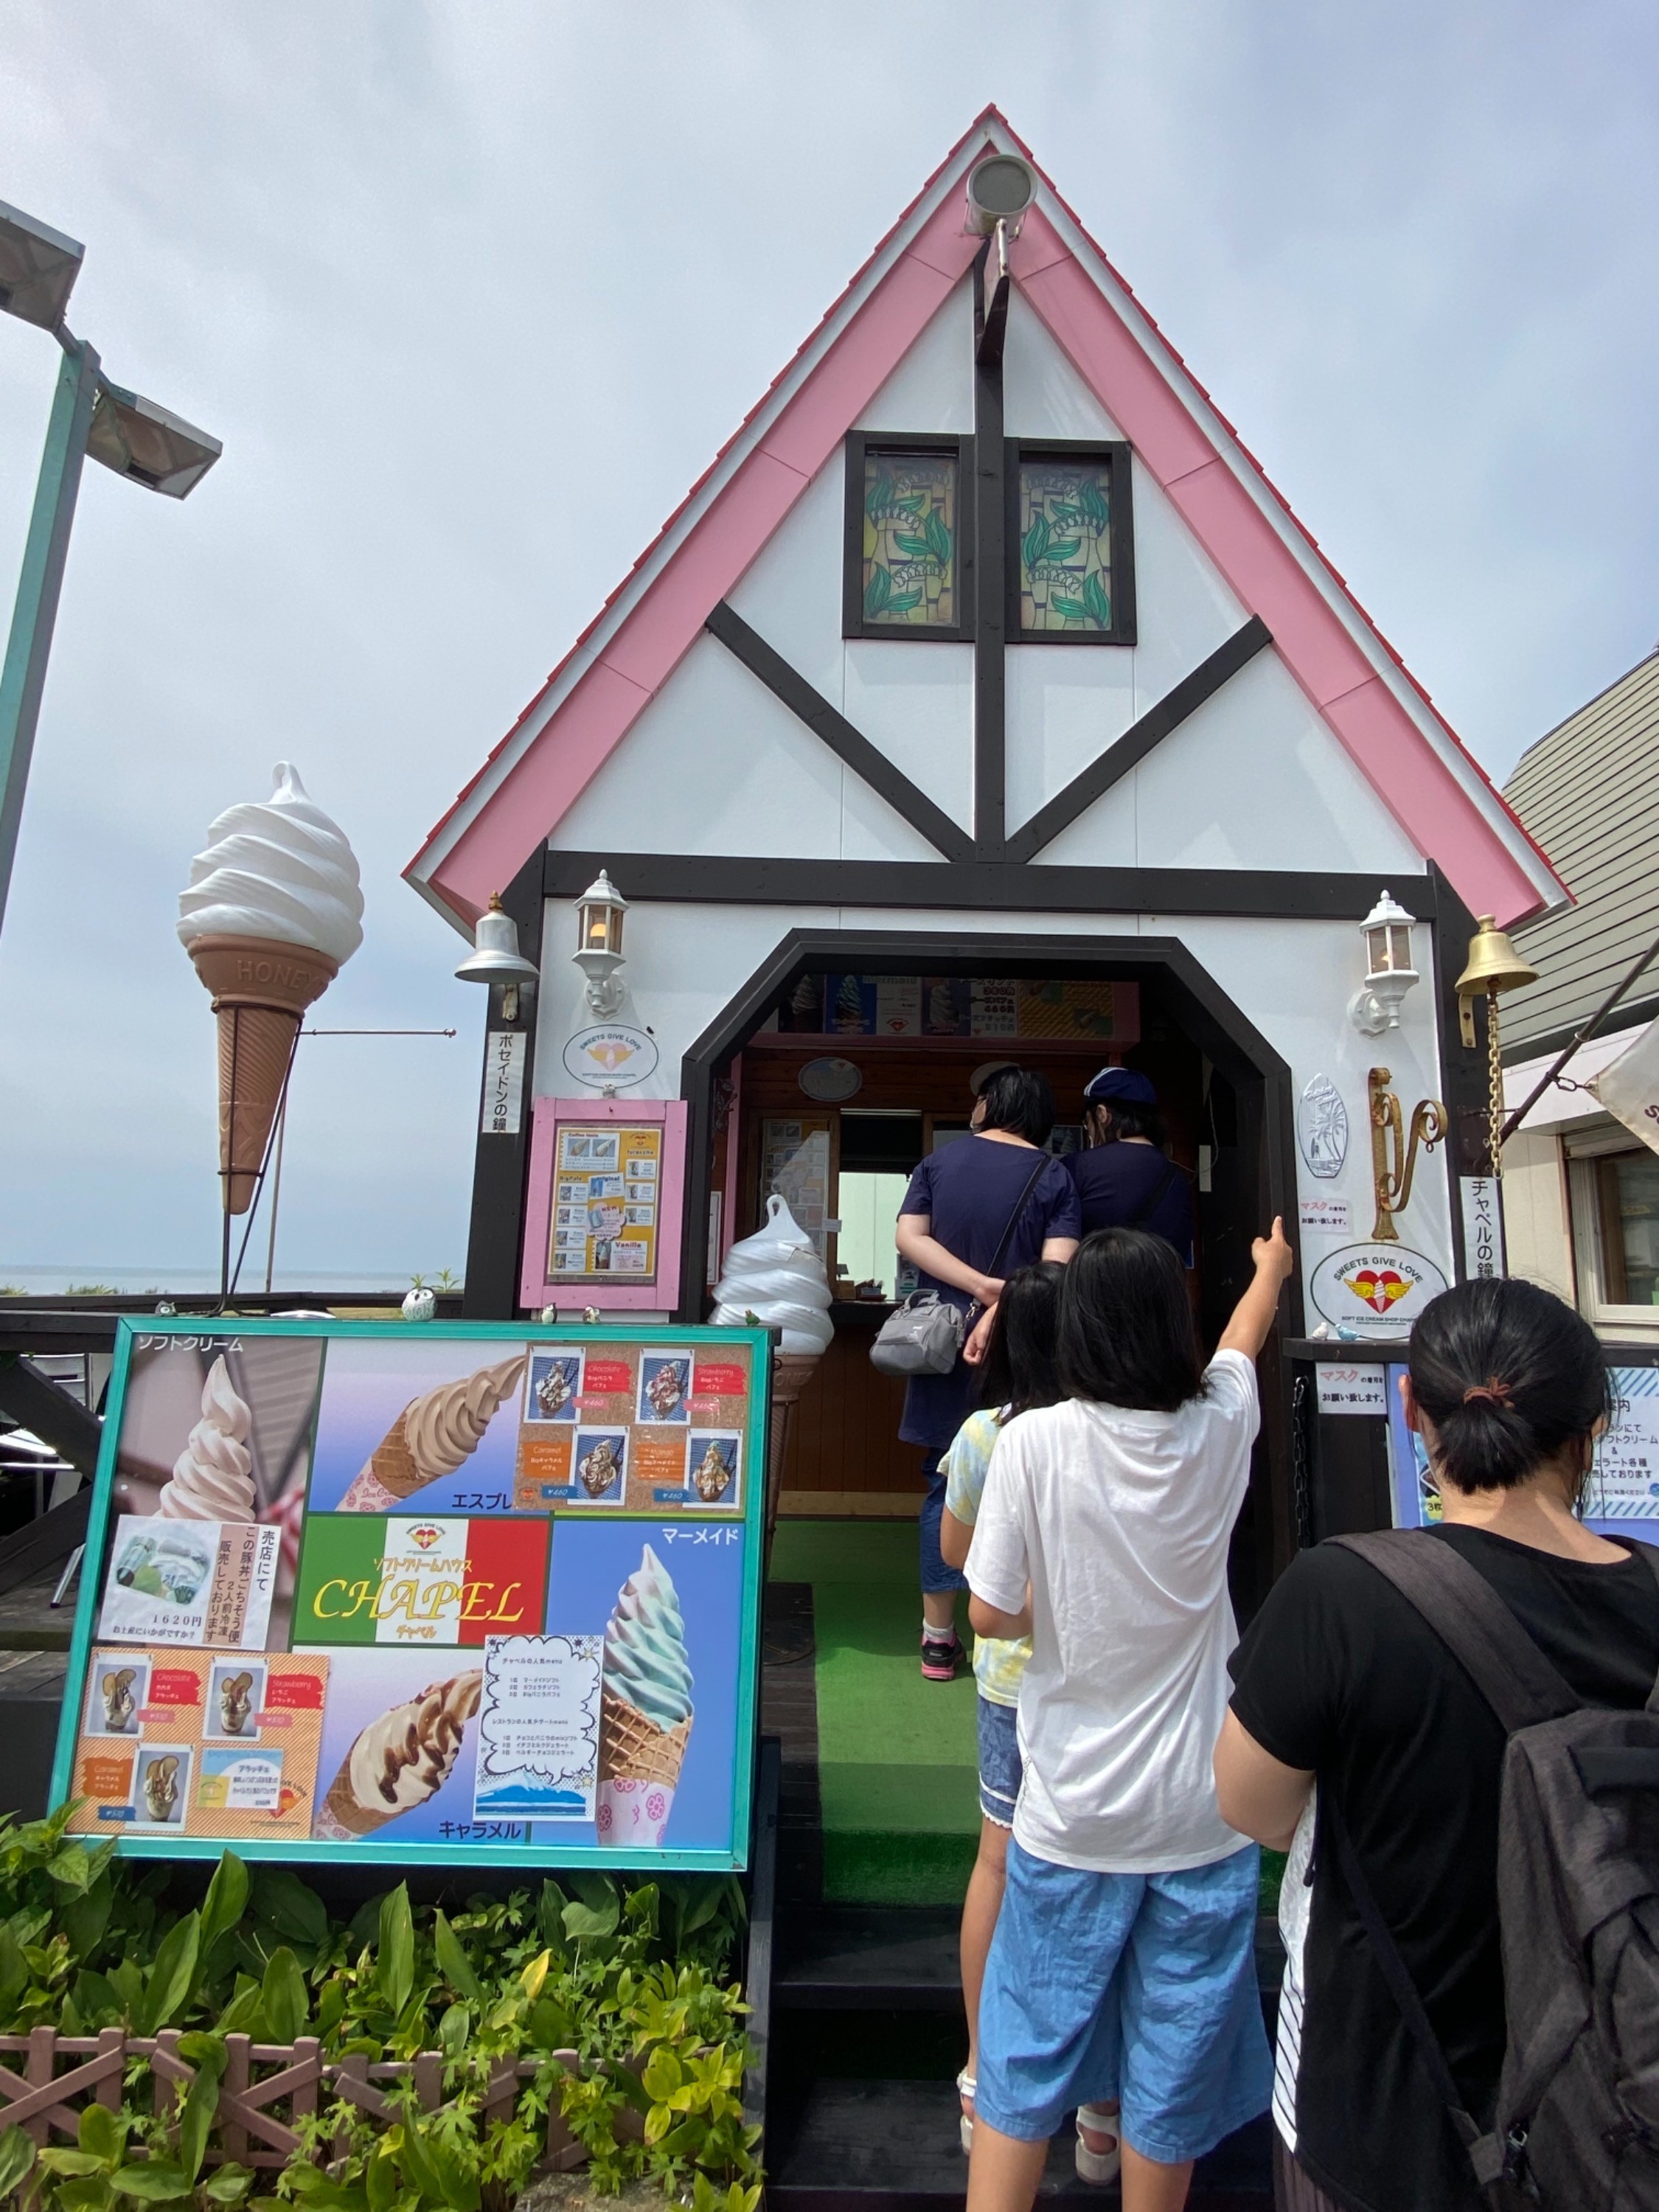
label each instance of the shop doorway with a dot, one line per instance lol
(793, 1088)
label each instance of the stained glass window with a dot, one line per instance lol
(910, 512)
(1066, 545)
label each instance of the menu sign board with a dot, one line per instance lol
(1077, 1012)
(466, 1594)
(607, 1187)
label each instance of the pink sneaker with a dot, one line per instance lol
(940, 1659)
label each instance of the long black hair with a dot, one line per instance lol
(1020, 1100)
(1508, 1375)
(1019, 1370)
(1126, 1326)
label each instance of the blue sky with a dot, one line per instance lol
(471, 294)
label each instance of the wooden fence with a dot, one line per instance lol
(258, 2078)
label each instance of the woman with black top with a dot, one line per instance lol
(1344, 1694)
(988, 1205)
(1125, 1178)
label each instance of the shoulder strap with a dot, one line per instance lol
(1019, 1209)
(1144, 1213)
(1485, 2153)
(1512, 1675)
(1649, 1558)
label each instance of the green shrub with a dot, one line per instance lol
(632, 1978)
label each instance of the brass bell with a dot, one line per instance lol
(1494, 965)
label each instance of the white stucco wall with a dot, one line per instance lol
(1291, 979)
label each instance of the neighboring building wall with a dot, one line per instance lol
(1589, 794)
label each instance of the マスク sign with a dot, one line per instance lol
(450, 1594)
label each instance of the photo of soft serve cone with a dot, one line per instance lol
(272, 911)
(434, 1435)
(645, 1709)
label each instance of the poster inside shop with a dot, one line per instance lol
(453, 1593)
(1622, 1497)
(965, 1006)
(607, 1191)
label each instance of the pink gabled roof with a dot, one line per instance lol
(1438, 793)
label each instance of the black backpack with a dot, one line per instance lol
(1576, 2126)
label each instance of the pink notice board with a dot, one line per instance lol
(607, 1187)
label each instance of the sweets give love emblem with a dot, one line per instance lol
(1377, 1289)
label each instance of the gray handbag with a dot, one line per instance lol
(921, 1337)
(924, 1336)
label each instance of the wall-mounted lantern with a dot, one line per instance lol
(495, 958)
(1494, 965)
(1389, 971)
(598, 951)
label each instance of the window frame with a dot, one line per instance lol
(859, 444)
(1585, 1151)
(1116, 453)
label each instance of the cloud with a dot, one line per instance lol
(473, 294)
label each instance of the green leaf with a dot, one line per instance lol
(380, 2182)
(294, 1911)
(662, 2074)
(283, 1998)
(452, 1961)
(534, 1975)
(902, 602)
(84, 1918)
(79, 2163)
(938, 538)
(225, 1901)
(877, 593)
(1067, 610)
(101, 2135)
(395, 1963)
(1034, 544)
(17, 2159)
(229, 2185)
(1097, 604)
(908, 542)
(152, 2183)
(1063, 549)
(72, 1866)
(196, 2117)
(13, 1975)
(878, 496)
(167, 1987)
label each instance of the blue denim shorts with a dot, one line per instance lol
(1140, 1987)
(999, 1763)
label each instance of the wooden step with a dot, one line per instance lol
(893, 2146)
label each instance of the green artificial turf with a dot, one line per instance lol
(897, 1768)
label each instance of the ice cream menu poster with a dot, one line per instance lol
(454, 1595)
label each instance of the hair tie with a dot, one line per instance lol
(1494, 1391)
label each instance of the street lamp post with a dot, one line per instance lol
(89, 415)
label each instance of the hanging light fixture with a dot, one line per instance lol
(1389, 969)
(1494, 966)
(495, 958)
(598, 951)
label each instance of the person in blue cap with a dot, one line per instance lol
(1125, 1178)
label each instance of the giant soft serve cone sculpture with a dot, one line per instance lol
(273, 909)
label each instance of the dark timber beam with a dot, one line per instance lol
(1139, 740)
(866, 761)
(988, 582)
(1001, 887)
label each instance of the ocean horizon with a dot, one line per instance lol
(132, 1282)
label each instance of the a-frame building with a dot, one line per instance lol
(984, 651)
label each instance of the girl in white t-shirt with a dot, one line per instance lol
(1122, 1968)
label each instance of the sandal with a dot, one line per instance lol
(966, 2086)
(1098, 2166)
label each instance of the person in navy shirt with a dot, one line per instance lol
(1125, 1180)
(992, 1202)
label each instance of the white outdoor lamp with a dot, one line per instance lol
(1389, 973)
(496, 958)
(598, 951)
